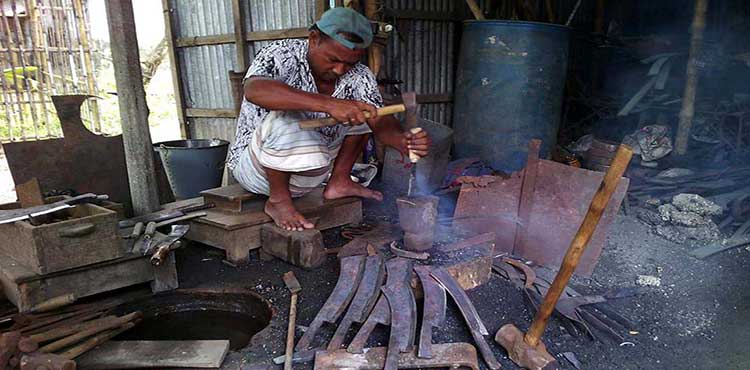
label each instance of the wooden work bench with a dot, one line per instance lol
(234, 224)
(27, 289)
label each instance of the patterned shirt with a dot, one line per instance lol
(286, 61)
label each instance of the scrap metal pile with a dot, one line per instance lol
(372, 291)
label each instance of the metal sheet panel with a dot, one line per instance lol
(421, 54)
(267, 15)
(210, 128)
(202, 17)
(205, 75)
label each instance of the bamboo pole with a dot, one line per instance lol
(41, 60)
(21, 42)
(691, 82)
(475, 9)
(59, 57)
(88, 72)
(13, 63)
(6, 97)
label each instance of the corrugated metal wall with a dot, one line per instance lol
(204, 69)
(422, 54)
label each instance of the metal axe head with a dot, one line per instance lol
(412, 109)
(291, 282)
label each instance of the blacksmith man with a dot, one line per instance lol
(290, 80)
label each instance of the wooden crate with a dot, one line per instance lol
(87, 235)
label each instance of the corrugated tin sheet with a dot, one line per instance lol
(205, 75)
(202, 17)
(266, 15)
(422, 54)
(210, 128)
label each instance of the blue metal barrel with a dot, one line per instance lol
(509, 90)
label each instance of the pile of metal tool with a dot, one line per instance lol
(371, 291)
(578, 313)
(142, 236)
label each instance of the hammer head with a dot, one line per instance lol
(523, 354)
(412, 114)
(291, 282)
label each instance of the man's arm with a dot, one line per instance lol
(276, 95)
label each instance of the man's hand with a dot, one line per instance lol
(418, 143)
(351, 111)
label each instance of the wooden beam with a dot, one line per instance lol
(427, 15)
(184, 42)
(238, 14)
(174, 62)
(136, 138)
(320, 7)
(290, 33)
(210, 113)
(691, 82)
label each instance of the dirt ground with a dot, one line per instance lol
(696, 318)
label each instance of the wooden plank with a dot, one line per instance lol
(26, 289)
(156, 354)
(174, 64)
(136, 137)
(186, 42)
(413, 14)
(238, 16)
(231, 198)
(29, 193)
(210, 113)
(311, 205)
(229, 38)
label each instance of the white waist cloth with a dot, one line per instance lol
(279, 144)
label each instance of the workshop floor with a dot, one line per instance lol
(696, 319)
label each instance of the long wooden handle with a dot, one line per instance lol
(475, 9)
(330, 121)
(580, 240)
(290, 333)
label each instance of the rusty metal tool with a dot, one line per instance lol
(447, 356)
(161, 248)
(31, 212)
(527, 350)
(292, 284)
(163, 215)
(470, 314)
(343, 292)
(330, 121)
(399, 271)
(364, 300)
(403, 307)
(421, 256)
(147, 238)
(433, 311)
(410, 124)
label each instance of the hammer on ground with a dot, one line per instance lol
(293, 285)
(527, 350)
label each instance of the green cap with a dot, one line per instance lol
(337, 20)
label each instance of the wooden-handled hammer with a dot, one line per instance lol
(294, 287)
(527, 350)
(384, 111)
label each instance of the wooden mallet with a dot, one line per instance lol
(293, 285)
(330, 121)
(527, 350)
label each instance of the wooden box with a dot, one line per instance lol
(78, 236)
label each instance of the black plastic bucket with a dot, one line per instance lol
(193, 165)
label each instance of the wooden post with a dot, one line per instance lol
(136, 138)
(174, 62)
(375, 52)
(238, 14)
(691, 80)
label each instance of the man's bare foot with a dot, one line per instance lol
(345, 187)
(286, 216)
